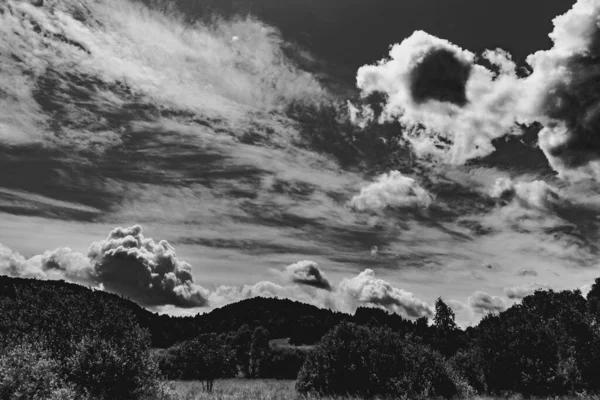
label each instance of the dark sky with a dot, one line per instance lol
(356, 32)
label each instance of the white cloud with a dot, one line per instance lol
(391, 190)
(532, 206)
(431, 82)
(162, 59)
(365, 288)
(520, 292)
(59, 264)
(537, 194)
(483, 303)
(466, 105)
(128, 263)
(150, 272)
(306, 273)
(228, 294)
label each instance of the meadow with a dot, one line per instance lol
(271, 389)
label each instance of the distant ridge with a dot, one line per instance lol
(283, 318)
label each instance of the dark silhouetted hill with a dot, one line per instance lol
(302, 323)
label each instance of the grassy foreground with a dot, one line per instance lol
(243, 389)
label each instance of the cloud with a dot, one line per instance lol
(564, 89)
(534, 206)
(307, 273)
(125, 262)
(456, 305)
(149, 273)
(453, 108)
(585, 289)
(129, 263)
(53, 265)
(365, 288)
(483, 303)
(93, 48)
(537, 194)
(228, 294)
(527, 272)
(520, 292)
(351, 293)
(391, 190)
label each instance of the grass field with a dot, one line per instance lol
(243, 389)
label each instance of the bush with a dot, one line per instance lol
(55, 342)
(468, 365)
(284, 363)
(27, 372)
(205, 358)
(373, 361)
(108, 370)
(547, 345)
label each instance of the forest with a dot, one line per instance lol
(64, 341)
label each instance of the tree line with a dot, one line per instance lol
(64, 341)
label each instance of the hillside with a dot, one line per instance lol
(302, 323)
(547, 344)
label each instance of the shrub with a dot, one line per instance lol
(55, 340)
(547, 345)
(109, 370)
(27, 372)
(205, 358)
(373, 361)
(284, 363)
(468, 365)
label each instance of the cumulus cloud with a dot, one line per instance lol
(55, 265)
(307, 273)
(125, 262)
(564, 88)
(150, 272)
(365, 288)
(454, 108)
(520, 292)
(362, 290)
(391, 190)
(128, 263)
(483, 303)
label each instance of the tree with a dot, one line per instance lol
(206, 358)
(547, 345)
(259, 350)
(27, 371)
(241, 343)
(444, 317)
(593, 298)
(358, 360)
(446, 338)
(86, 342)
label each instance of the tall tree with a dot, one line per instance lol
(241, 344)
(259, 350)
(444, 316)
(446, 332)
(593, 297)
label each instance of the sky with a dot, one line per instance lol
(152, 157)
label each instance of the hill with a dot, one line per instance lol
(302, 323)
